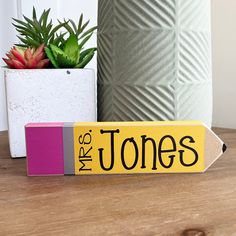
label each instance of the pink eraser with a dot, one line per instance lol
(44, 147)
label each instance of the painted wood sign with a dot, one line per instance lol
(120, 148)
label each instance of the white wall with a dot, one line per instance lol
(224, 62)
(223, 37)
(8, 9)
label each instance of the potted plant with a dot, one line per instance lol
(45, 79)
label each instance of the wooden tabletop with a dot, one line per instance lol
(176, 204)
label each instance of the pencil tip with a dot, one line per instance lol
(224, 148)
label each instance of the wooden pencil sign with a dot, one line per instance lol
(120, 148)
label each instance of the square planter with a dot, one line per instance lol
(47, 95)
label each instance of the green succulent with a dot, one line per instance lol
(64, 49)
(71, 55)
(37, 31)
(78, 29)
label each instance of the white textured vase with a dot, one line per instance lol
(154, 60)
(47, 95)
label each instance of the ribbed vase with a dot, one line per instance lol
(154, 60)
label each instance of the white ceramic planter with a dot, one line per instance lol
(48, 95)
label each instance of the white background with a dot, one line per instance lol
(223, 39)
(224, 62)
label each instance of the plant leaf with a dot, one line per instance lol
(56, 28)
(71, 48)
(59, 39)
(21, 45)
(32, 42)
(29, 21)
(34, 13)
(65, 62)
(26, 31)
(45, 18)
(51, 57)
(67, 27)
(49, 27)
(73, 25)
(84, 53)
(41, 17)
(21, 22)
(86, 60)
(23, 40)
(80, 23)
(38, 29)
(88, 32)
(56, 50)
(84, 26)
(85, 40)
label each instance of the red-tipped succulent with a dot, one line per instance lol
(29, 58)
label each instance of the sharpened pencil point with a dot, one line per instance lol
(224, 148)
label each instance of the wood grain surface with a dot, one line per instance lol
(176, 204)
